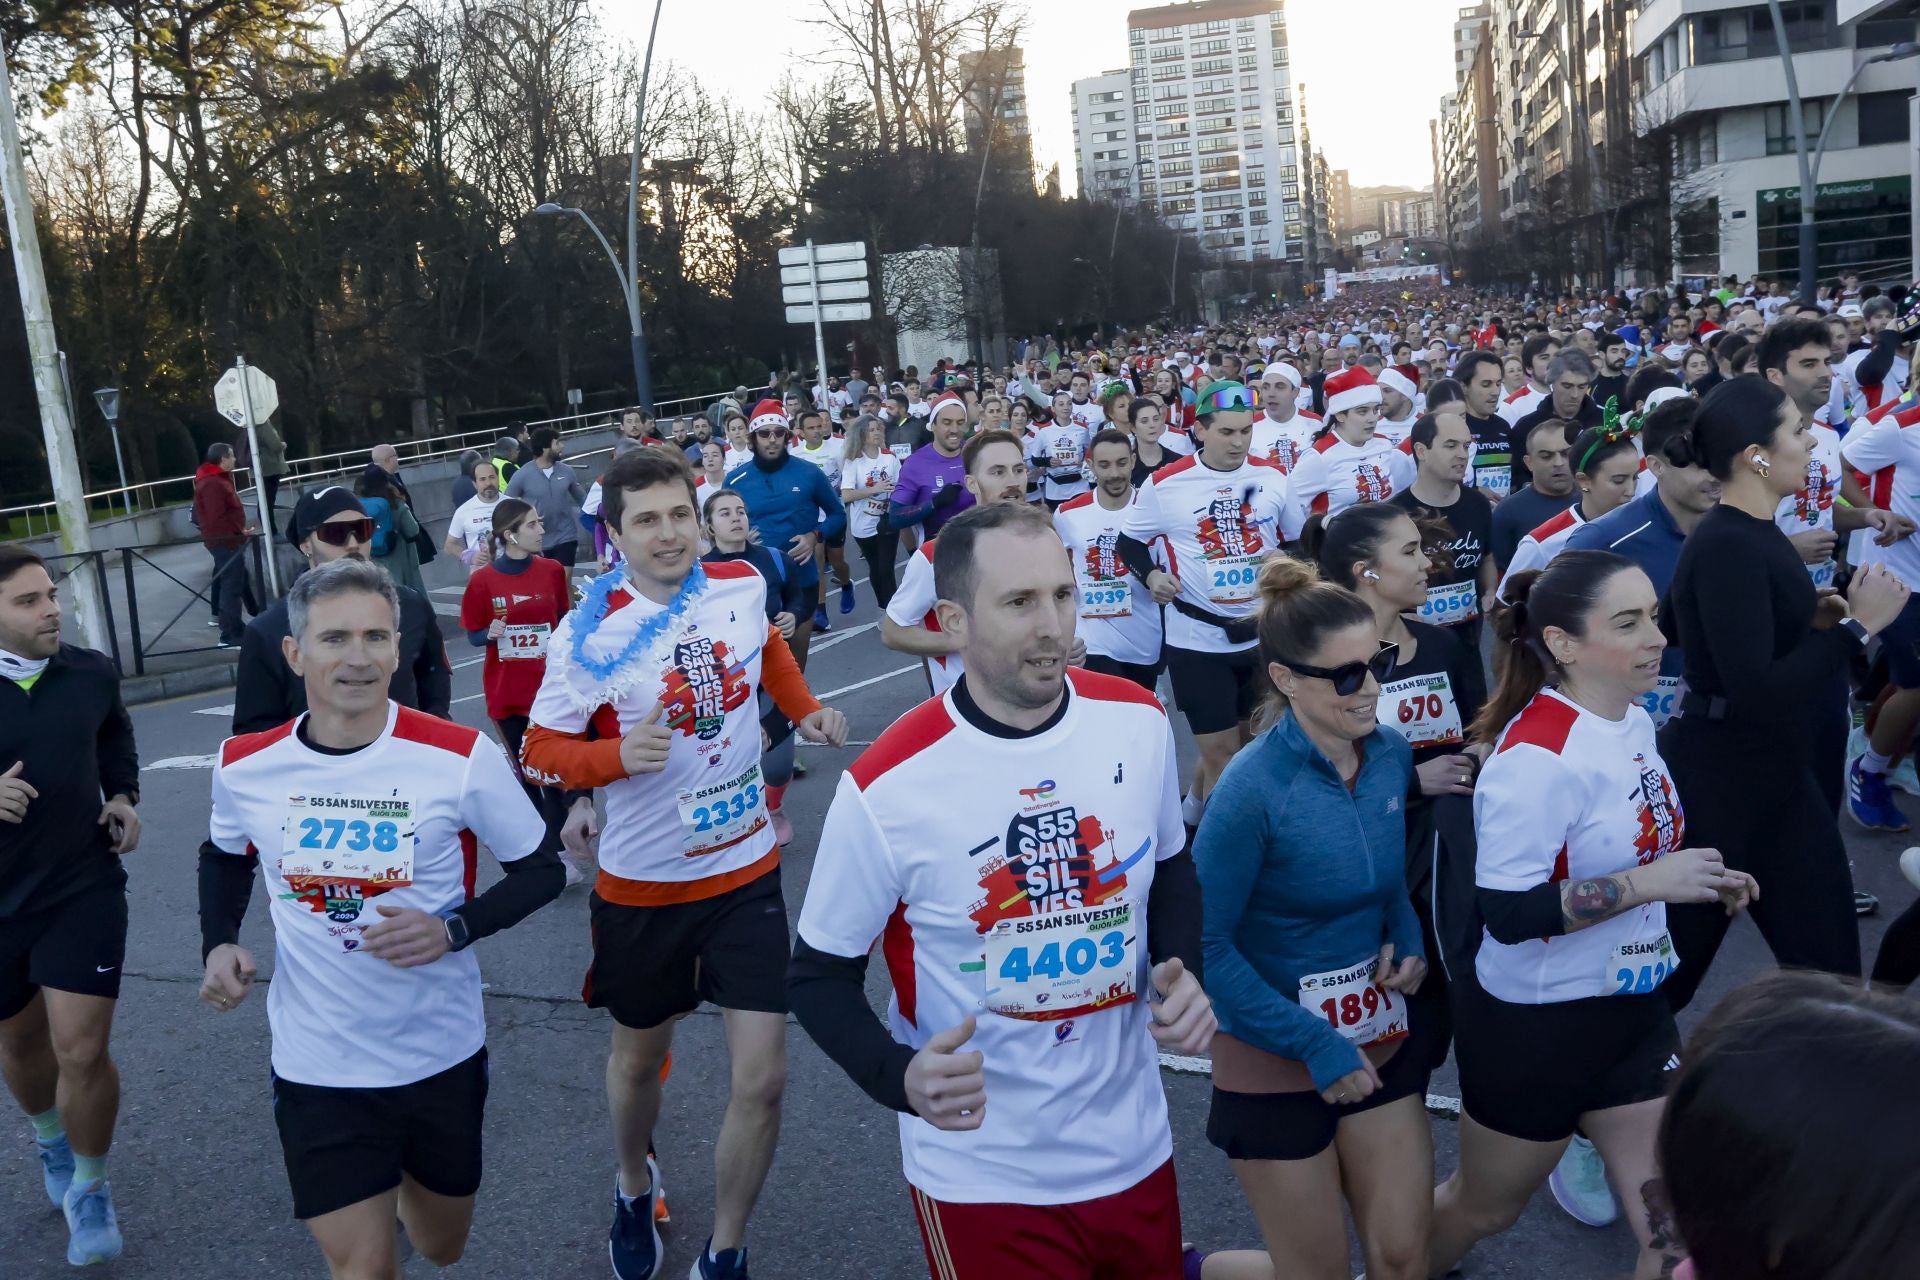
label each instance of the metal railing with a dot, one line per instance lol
(304, 471)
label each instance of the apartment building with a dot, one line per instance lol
(996, 91)
(1104, 157)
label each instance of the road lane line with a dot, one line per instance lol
(898, 671)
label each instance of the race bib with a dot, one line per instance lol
(1637, 967)
(900, 451)
(1423, 709)
(1662, 700)
(525, 640)
(1495, 479)
(339, 852)
(1230, 579)
(1451, 603)
(1106, 600)
(1062, 964)
(715, 817)
(1356, 1006)
(1822, 573)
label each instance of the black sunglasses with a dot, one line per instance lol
(338, 532)
(1349, 676)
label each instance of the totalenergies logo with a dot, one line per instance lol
(1042, 792)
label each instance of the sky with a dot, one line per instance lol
(1374, 71)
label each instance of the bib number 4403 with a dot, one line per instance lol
(1078, 957)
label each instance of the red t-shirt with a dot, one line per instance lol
(531, 602)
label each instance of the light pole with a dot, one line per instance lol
(108, 398)
(629, 291)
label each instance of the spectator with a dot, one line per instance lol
(272, 468)
(556, 493)
(224, 532)
(395, 528)
(506, 458)
(463, 484)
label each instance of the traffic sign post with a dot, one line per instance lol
(820, 283)
(247, 397)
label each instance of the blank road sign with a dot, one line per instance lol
(846, 251)
(845, 291)
(828, 271)
(832, 311)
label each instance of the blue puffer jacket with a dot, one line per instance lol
(1298, 876)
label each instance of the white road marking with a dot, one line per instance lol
(1438, 1104)
(898, 671)
(848, 743)
(448, 591)
(180, 762)
(470, 662)
(215, 711)
(835, 637)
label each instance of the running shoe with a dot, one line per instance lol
(661, 1215)
(56, 1168)
(1870, 802)
(1910, 866)
(93, 1230)
(729, 1264)
(846, 597)
(1904, 777)
(633, 1243)
(1579, 1184)
(1864, 903)
(820, 619)
(782, 828)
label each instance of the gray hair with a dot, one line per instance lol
(342, 577)
(1572, 360)
(469, 459)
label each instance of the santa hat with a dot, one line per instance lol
(767, 413)
(1393, 376)
(1350, 388)
(940, 402)
(1286, 371)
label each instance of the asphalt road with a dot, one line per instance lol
(196, 1165)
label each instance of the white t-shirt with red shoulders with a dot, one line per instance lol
(1118, 616)
(1217, 528)
(912, 606)
(1333, 475)
(1283, 443)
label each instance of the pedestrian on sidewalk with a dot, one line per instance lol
(224, 532)
(269, 469)
(395, 528)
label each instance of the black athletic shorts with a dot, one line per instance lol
(1299, 1126)
(343, 1146)
(651, 964)
(1532, 1070)
(78, 944)
(1215, 690)
(1145, 675)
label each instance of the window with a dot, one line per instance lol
(1878, 31)
(1781, 140)
(1204, 47)
(1883, 117)
(1247, 62)
(1748, 33)
(1211, 66)
(1696, 146)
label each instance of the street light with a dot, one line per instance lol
(108, 398)
(629, 291)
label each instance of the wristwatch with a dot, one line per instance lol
(1852, 626)
(458, 936)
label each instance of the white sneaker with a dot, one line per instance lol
(1579, 1185)
(1910, 866)
(1905, 777)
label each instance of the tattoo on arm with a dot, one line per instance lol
(1591, 901)
(1663, 1236)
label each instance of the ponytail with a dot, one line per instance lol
(1559, 596)
(507, 513)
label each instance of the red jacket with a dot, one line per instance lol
(217, 509)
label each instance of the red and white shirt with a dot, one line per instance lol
(1567, 795)
(1020, 901)
(1218, 528)
(1516, 405)
(1812, 507)
(531, 603)
(1283, 443)
(1333, 475)
(1545, 541)
(1886, 450)
(393, 823)
(912, 606)
(1118, 616)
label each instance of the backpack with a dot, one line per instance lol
(382, 512)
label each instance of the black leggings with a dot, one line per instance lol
(878, 550)
(1898, 964)
(552, 802)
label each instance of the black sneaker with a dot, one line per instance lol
(633, 1243)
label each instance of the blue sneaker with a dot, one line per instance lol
(633, 1245)
(56, 1168)
(820, 619)
(1870, 801)
(846, 597)
(1579, 1185)
(93, 1231)
(728, 1264)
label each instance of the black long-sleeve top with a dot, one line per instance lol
(71, 735)
(267, 694)
(828, 993)
(1741, 609)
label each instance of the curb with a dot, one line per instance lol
(136, 691)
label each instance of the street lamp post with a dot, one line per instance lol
(108, 398)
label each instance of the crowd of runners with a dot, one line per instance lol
(1522, 644)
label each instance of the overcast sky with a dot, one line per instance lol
(1374, 70)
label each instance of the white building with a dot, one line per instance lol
(1213, 112)
(1712, 78)
(1103, 148)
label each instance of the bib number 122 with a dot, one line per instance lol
(1080, 956)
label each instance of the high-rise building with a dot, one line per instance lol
(1340, 192)
(995, 81)
(1213, 115)
(1104, 156)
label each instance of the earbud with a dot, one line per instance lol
(1370, 575)
(1760, 460)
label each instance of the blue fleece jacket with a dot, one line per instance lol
(794, 498)
(1297, 876)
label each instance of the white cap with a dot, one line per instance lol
(1662, 395)
(1288, 372)
(1392, 378)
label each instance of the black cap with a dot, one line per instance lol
(317, 506)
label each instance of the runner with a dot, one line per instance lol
(1147, 424)
(1479, 376)
(69, 781)
(1313, 949)
(867, 481)
(793, 506)
(1548, 452)
(1347, 462)
(513, 601)
(1398, 393)
(1536, 355)
(1033, 1125)
(912, 624)
(1581, 844)
(379, 1113)
(1462, 577)
(650, 692)
(328, 525)
(1569, 380)
(472, 523)
(829, 454)
(932, 488)
(1283, 431)
(1605, 464)
(1057, 450)
(1119, 618)
(1221, 514)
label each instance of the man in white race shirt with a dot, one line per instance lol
(996, 466)
(1536, 353)
(651, 692)
(1397, 416)
(1219, 512)
(1040, 926)
(1057, 451)
(1119, 618)
(470, 526)
(1283, 431)
(366, 814)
